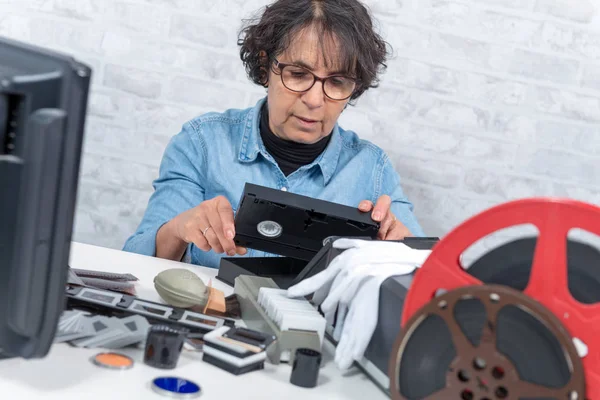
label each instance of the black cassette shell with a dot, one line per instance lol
(294, 225)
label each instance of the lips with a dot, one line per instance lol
(307, 120)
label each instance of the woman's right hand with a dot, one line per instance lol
(209, 226)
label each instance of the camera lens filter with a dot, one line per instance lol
(112, 360)
(174, 387)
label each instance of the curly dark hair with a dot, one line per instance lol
(363, 51)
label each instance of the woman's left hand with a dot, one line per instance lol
(390, 228)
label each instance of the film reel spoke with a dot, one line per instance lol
(492, 220)
(493, 304)
(445, 310)
(548, 279)
(435, 275)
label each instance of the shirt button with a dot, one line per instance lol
(284, 188)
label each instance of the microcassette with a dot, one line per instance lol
(294, 225)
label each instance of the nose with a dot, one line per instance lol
(315, 97)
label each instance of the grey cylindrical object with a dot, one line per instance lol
(305, 370)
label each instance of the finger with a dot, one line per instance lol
(209, 232)
(345, 243)
(365, 206)
(322, 293)
(194, 230)
(343, 352)
(311, 284)
(385, 226)
(200, 241)
(345, 282)
(340, 322)
(227, 219)
(216, 223)
(213, 240)
(397, 231)
(329, 318)
(228, 227)
(367, 317)
(332, 300)
(242, 251)
(381, 208)
(352, 290)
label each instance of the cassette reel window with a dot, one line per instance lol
(555, 268)
(269, 229)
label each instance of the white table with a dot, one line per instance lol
(66, 373)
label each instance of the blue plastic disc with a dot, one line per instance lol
(171, 386)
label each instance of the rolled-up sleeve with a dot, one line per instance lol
(178, 188)
(401, 205)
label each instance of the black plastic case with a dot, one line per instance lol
(231, 368)
(293, 225)
(283, 270)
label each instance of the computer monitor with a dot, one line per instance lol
(43, 103)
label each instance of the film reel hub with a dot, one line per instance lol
(548, 280)
(481, 365)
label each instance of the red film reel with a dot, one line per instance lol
(548, 284)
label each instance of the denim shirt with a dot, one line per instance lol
(217, 153)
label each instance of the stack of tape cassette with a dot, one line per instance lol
(521, 322)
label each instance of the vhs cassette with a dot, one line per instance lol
(294, 225)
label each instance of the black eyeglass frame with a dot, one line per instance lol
(316, 79)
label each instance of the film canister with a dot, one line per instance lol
(305, 370)
(163, 346)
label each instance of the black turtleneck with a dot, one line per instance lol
(289, 155)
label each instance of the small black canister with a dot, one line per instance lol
(163, 346)
(305, 370)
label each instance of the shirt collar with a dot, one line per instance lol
(252, 144)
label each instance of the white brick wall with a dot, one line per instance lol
(484, 100)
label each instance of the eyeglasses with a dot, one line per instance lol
(300, 79)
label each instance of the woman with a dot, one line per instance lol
(313, 57)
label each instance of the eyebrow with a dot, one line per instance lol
(305, 65)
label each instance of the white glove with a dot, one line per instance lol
(361, 320)
(342, 283)
(359, 252)
(347, 283)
